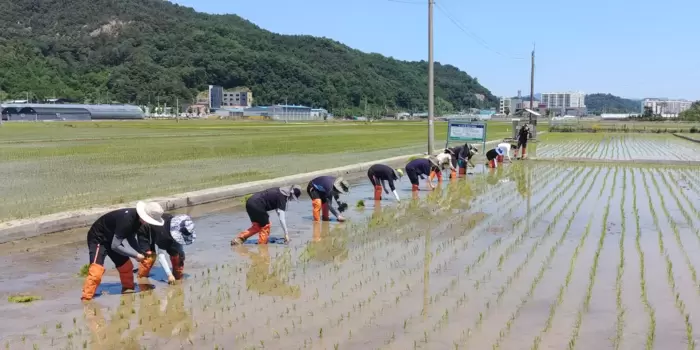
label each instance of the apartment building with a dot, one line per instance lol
(564, 100)
(665, 106)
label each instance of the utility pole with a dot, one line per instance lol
(431, 82)
(532, 82)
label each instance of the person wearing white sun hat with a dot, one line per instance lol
(113, 235)
(177, 231)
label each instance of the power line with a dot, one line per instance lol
(471, 34)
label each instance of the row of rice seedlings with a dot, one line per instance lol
(594, 267)
(515, 246)
(572, 263)
(689, 181)
(546, 263)
(562, 190)
(651, 332)
(385, 293)
(674, 226)
(471, 267)
(680, 304)
(620, 320)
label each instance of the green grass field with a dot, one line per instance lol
(51, 167)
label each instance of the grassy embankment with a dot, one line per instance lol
(51, 167)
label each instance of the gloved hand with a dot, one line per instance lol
(342, 206)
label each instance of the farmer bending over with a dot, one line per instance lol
(419, 168)
(177, 232)
(379, 174)
(492, 155)
(322, 191)
(505, 147)
(259, 204)
(444, 160)
(107, 237)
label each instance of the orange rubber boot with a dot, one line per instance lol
(439, 176)
(178, 267)
(463, 171)
(146, 265)
(524, 151)
(499, 159)
(264, 235)
(414, 188)
(316, 203)
(453, 174)
(92, 281)
(126, 275)
(250, 232)
(325, 212)
(377, 192)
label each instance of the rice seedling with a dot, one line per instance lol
(619, 323)
(360, 204)
(594, 267)
(23, 298)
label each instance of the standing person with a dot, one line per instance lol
(505, 147)
(378, 174)
(259, 204)
(322, 191)
(523, 136)
(492, 156)
(176, 232)
(107, 237)
(419, 168)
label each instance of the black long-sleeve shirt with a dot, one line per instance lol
(422, 166)
(383, 173)
(151, 236)
(116, 227)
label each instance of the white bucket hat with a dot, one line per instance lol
(182, 229)
(150, 212)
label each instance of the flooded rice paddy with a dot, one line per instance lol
(618, 147)
(531, 256)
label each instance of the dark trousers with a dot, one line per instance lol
(316, 194)
(257, 213)
(98, 253)
(412, 175)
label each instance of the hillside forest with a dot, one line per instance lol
(143, 51)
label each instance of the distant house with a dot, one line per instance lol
(281, 112)
(46, 112)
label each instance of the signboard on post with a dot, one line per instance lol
(466, 131)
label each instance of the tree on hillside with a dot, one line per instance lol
(140, 50)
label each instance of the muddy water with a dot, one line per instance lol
(474, 264)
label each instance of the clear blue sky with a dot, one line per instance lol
(634, 49)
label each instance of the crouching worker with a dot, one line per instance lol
(259, 204)
(505, 147)
(419, 168)
(114, 235)
(322, 191)
(176, 232)
(445, 161)
(492, 157)
(379, 174)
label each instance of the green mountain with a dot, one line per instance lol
(138, 51)
(607, 103)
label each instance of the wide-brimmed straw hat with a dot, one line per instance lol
(150, 212)
(398, 172)
(341, 185)
(182, 229)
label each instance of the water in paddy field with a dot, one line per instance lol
(617, 147)
(536, 255)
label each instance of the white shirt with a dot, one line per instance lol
(505, 147)
(444, 158)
